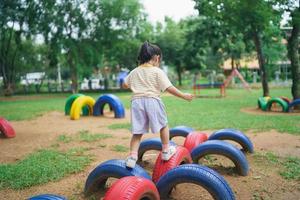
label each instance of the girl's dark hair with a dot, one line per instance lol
(147, 51)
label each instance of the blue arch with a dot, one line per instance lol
(114, 103)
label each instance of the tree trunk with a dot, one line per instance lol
(178, 70)
(262, 64)
(73, 70)
(293, 52)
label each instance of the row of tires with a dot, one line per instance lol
(183, 167)
(266, 103)
(79, 104)
(6, 128)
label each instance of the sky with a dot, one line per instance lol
(176, 9)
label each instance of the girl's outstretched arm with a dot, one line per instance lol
(174, 91)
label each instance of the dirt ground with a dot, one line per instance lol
(263, 181)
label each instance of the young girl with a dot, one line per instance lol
(147, 81)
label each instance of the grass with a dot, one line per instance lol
(120, 126)
(289, 167)
(64, 138)
(120, 148)
(201, 114)
(85, 136)
(41, 167)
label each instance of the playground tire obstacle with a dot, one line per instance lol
(70, 100)
(284, 105)
(233, 135)
(294, 103)
(262, 103)
(111, 169)
(182, 131)
(150, 144)
(225, 149)
(132, 188)
(6, 129)
(114, 103)
(200, 175)
(79, 103)
(194, 139)
(47, 197)
(182, 156)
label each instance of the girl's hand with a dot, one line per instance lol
(188, 96)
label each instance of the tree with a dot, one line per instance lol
(250, 17)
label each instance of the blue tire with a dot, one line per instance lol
(150, 144)
(114, 103)
(111, 168)
(200, 175)
(47, 197)
(234, 135)
(294, 103)
(222, 148)
(180, 131)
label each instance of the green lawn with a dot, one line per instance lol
(201, 114)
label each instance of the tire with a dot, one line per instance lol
(79, 103)
(200, 175)
(6, 128)
(262, 103)
(194, 139)
(69, 102)
(111, 168)
(180, 131)
(150, 144)
(47, 197)
(222, 148)
(132, 188)
(114, 103)
(294, 103)
(234, 135)
(282, 103)
(182, 156)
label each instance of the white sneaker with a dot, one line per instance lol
(166, 155)
(130, 162)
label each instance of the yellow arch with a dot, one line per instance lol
(79, 103)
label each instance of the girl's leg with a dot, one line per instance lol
(167, 150)
(134, 146)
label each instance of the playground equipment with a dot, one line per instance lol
(111, 168)
(182, 156)
(203, 176)
(47, 197)
(198, 87)
(6, 128)
(222, 148)
(294, 103)
(70, 100)
(262, 102)
(271, 102)
(79, 103)
(114, 103)
(233, 135)
(150, 144)
(194, 139)
(132, 188)
(182, 131)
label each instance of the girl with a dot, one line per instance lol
(147, 81)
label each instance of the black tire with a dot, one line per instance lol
(197, 174)
(150, 144)
(234, 135)
(182, 131)
(111, 168)
(222, 148)
(47, 197)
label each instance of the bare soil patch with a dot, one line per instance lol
(263, 181)
(274, 111)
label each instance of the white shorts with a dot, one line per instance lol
(147, 112)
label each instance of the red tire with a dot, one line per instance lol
(6, 128)
(194, 139)
(132, 188)
(182, 156)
